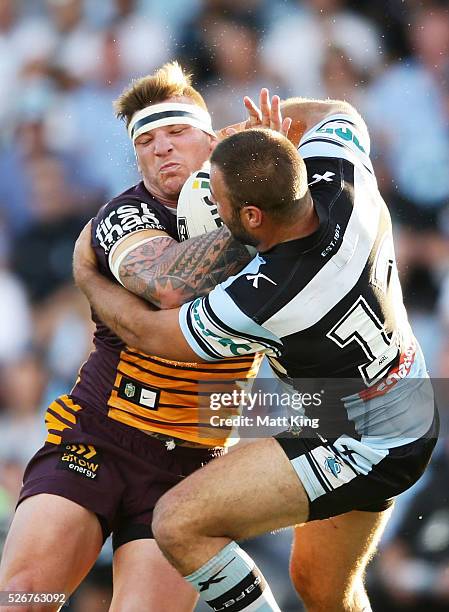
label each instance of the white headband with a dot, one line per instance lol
(169, 113)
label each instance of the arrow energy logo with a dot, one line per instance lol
(82, 459)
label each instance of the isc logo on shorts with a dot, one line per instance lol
(82, 459)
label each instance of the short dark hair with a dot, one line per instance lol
(261, 167)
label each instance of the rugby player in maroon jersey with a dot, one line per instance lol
(130, 428)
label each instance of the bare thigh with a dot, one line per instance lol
(248, 492)
(144, 580)
(341, 547)
(51, 545)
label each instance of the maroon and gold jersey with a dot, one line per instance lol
(144, 391)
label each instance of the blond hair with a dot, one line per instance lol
(169, 81)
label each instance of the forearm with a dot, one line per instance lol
(132, 319)
(182, 271)
(120, 311)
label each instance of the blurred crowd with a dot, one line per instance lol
(63, 154)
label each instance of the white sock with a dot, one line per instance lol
(231, 581)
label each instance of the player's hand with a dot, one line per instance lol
(267, 114)
(83, 254)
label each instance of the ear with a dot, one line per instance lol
(213, 143)
(253, 216)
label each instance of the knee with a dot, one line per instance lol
(170, 525)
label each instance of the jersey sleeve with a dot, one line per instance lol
(224, 323)
(116, 221)
(338, 136)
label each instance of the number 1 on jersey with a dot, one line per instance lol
(360, 324)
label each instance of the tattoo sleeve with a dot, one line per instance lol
(169, 274)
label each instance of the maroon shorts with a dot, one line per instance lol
(114, 470)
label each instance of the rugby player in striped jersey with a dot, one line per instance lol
(322, 300)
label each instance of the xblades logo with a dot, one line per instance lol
(255, 278)
(327, 176)
(213, 579)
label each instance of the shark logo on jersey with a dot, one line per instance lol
(327, 176)
(255, 279)
(333, 466)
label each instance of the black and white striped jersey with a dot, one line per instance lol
(328, 305)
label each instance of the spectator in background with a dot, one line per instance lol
(129, 43)
(342, 80)
(196, 49)
(22, 388)
(143, 41)
(63, 332)
(77, 45)
(408, 114)
(392, 18)
(25, 45)
(42, 255)
(237, 60)
(295, 47)
(15, 316)
(22, 382)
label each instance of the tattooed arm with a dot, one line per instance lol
(137, 323)
(168, 273)
(133, 320)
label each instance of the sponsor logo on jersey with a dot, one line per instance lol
(234, 348)
(81, 459)
(406, 360)
(124, 220)
(333, 465)
(255, 278)
(327, 176)
(342, 133)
